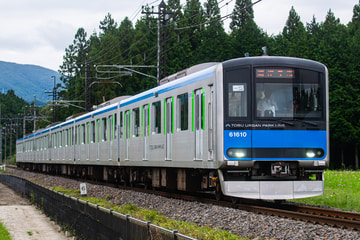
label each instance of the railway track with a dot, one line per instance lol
(335, 218)
(330, 217)
(316, 215)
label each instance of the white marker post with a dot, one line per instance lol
(83, 189)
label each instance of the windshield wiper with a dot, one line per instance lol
(308, 122)
(286, 122)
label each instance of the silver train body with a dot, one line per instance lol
(202, 130)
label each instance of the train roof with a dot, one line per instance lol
(176, 83)
(194, 75)
(275, 60)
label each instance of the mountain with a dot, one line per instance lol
(27, 81)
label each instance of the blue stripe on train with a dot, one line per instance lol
(274, 139)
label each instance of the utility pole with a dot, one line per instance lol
(53, 93)
(34, 113)
(87, 89)
(163, 17)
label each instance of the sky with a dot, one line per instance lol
(38, 31)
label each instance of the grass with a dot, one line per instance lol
(342, 190)
(4, 234)
(156, 218)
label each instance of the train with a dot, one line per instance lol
(251, 127)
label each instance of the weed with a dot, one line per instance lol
(32, 197)
(342, 190)
(4, 234)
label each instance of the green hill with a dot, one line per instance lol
(27, 81)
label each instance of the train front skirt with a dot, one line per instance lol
(272, 189)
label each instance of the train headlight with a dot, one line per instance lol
(314, 153)
(310, 154)
(237, 153)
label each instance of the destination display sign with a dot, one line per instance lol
(275, 73)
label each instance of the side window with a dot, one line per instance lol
(199, 109)
(136, 122)
(54, 140)
(64, 144)
(115, 126)
(127, 124)
(156, 118)
(59, 137)
(87, 132)
(70, 137)
(182, 112)
(76, 135)
(83, 133)
(104, 129)
(67, 137)
(237, 100)
(98, 128)
(145, 120)
(236, 93)
(121, 125)
(111, 128)
(93, 131)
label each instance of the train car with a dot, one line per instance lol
(254, 127)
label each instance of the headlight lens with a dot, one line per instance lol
(314, 153)
(237, 153)
(310, 154)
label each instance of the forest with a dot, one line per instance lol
(195, 33)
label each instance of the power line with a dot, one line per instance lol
(218, 19)
(163, 17)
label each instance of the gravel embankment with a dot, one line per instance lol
(242, 223)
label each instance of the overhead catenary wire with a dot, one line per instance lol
(150, 52)
(93, 59)
(208, 22)
(218, 19)
(106, 51)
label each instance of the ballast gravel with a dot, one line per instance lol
(242, 223)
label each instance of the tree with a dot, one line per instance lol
(194, 21)
(215, 42)
(243, 12)
(73, 70)
(247, 37)
(126, 36)
(294, 36)
(334, 49)
(108, 25)
(354, 80)
(178, 44)
(313, 39)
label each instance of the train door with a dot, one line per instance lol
(168, 127)
(127, 134)
(146, 131)
(211, 120)
(199, 124)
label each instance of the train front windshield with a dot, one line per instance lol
(288, 94)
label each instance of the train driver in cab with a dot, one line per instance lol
(266, 106)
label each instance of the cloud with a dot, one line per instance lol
(38, 31)
(56, 34)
